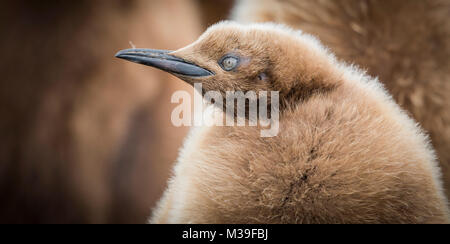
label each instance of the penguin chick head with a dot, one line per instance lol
(257, 57)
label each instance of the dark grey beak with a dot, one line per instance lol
(162, 60)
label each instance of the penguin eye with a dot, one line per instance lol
(228, 63)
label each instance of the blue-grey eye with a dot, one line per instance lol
(229, 63)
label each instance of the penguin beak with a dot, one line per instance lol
(161, 59)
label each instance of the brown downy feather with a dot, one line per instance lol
(406, 43)
(346, 153)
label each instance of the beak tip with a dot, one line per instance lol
(119, 54)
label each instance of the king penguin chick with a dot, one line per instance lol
(405, 43)
(345, 152)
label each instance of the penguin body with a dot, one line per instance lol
(405, 43)
(345, 152)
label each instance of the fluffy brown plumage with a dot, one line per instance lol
(346, 152)
(406, 43)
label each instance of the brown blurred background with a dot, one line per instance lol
(85, 137)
